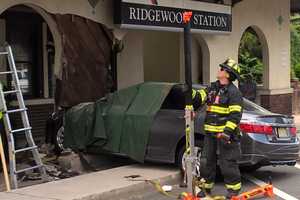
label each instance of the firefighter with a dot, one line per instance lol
(223, 115)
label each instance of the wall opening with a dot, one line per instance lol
(253, 59)
(33, 47)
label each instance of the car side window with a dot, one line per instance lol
(175, 100)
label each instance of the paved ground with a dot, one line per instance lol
(286, 181)
(112, 184)
(106, 184)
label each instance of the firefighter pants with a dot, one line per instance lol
(228, 155)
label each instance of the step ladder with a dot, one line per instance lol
(25, 130)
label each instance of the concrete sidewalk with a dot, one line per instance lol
(100, 185)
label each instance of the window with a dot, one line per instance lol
(29, 36)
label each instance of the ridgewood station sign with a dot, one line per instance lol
(153, 17)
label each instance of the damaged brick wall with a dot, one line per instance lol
(85, 59)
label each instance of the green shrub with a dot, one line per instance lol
(250, 57)
(295, 47)
(251, 68)
(297, 70)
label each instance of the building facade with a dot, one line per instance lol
(145, 53)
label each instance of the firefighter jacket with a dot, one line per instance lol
(224, 108)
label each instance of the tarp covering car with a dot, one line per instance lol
(120, 123)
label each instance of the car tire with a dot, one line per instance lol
(59, 140)
(181, 155)
(55, 131)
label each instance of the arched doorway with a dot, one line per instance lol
(33, 46)
(34, 49)
(253, 60)
(200, 60)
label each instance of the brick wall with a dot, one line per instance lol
(281, 104)
(38, 115)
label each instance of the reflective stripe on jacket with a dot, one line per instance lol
(224, 107)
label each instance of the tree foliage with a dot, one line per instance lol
(295, 46)
(250, 57)
(251, 68)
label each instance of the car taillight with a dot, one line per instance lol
(256, 128)
(293, 131)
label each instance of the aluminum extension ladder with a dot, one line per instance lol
(25, 130)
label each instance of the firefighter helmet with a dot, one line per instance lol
(232, 67)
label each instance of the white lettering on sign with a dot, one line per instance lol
(205, 21)
(210, 20)
(132, 13)
(138, 14)
(215, 21)
(144, 14)
(153, 15)
(224, 23)
(218, 21)
(172, 17)
(164, 16)
(157, 15)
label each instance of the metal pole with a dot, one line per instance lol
(189, 121)
(188, 64)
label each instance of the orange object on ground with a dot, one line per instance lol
(187, 16)
(187, 196)
(266, 191)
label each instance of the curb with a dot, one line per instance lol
(135, 189)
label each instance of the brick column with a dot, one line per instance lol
(278, 103)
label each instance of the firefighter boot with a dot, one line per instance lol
(203, 193)
(232, 193)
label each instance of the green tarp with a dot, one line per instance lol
(120, 123)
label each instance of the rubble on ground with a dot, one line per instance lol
(66, 165)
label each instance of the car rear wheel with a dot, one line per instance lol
(182, 155)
